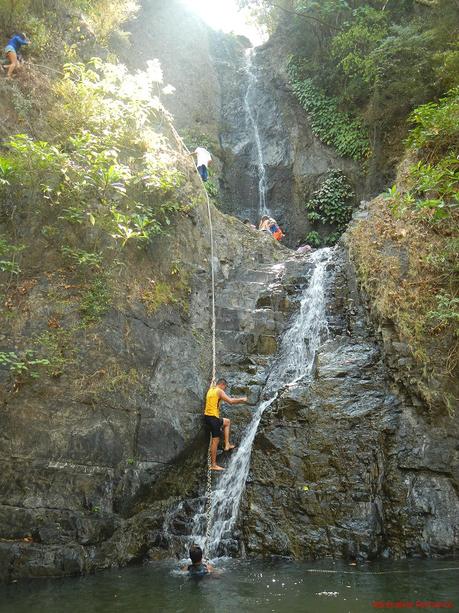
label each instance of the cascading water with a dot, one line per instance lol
(296, 358)
(250, 103)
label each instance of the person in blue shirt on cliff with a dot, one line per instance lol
(12, 51)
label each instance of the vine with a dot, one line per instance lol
(334, 127)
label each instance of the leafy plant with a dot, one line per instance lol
(22, 364)
(353, 46)
(8, 253)
(331, 204)
(436, 125)
(83, 258)
(172, 290)
(57, 347)
(211, 188)
(332, 239)
(95, 301)
(446, 311)
(314, 239)
(433, 181)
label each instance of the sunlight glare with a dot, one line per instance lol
(225, 15)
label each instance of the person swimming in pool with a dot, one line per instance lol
(198, 568)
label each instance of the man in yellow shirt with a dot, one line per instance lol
(212, 418)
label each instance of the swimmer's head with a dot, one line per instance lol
(195, 554)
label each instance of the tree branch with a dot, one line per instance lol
(311, 17)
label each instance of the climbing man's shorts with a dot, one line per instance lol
(9, 49)
(215, 424)
(203, 172)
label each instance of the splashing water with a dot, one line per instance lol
(295, 362)
(302, 339)
(249, 104)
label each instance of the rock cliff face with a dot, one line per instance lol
(94, 459)
(211, 74)
(181, 41)
(103, 463)
(295, 160)
(349, 467)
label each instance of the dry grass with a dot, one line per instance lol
(395, 261)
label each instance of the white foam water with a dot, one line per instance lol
(252, 115)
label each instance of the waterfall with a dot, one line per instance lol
(295, 361)
(250, 103)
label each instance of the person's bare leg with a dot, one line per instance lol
(13, 59)
(226, 434)
(213, 454)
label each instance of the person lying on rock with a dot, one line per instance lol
(13, 52)
(197, 568)
(268, 224)
(215, 423)
(264, 223)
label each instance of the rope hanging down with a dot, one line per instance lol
(212, 268)
(214, 334)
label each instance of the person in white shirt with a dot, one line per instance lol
(203, 159)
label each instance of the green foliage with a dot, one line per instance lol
(332, 239)
(394, 90)
(106, 16)
(445, 261)
(43, 21)
(314, 239)
(173, 290)
(33, 164)
(212, 189)
(109, 168)
(433, 181)
(8, 253)
(332, 126)
(332, 202)
(22, 364)
(447, 311)
(57, 348)
(446, 65)
(193, 137)
(83, 258)
(331, 205)
(423, 220)
(96, 300)
(436, 124)
(372, 60)
(353, 47)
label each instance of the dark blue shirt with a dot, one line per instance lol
(17, 42)
(198, 570)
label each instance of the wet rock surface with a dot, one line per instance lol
(344, 467)
(348, 467)
(91, 473)
(209, 72)
(295, 160)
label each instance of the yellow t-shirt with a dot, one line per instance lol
(212, 402)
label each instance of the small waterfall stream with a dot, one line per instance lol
(250, 102)
(295, 361)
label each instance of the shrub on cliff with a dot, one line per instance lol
(407, 252)
(107, 168)
(330, 206)
(363, 66)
